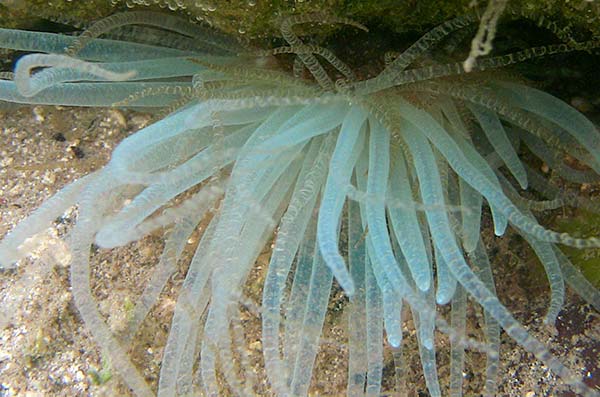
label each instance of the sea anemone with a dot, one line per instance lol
(377, 184)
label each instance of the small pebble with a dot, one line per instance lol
(77, 151)
(119, 117)
(38, 114)
(59, 137)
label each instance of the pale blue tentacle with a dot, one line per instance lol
(358, 355)
(442, 233)
(483, 269)
(40, 219)
(96, 50)
(404, 222)
(495, 133)
(344, 157)
(471, 202)
(291, 231)
(555, 110)
(475, 177)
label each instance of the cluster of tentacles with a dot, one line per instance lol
(378, 184)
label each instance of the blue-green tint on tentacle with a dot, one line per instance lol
(443, 236)
(41, 219)
(358, 354)
(457, 351)
(378, 236)
(97, 50)
(374, 333)
(312, 121)
(466, 147)
(92, 94)
(471, 201)
(547, 257)
(347, 149)
(404, 221)
(558, 112)
(479, 179)
(291, 232)
(446, 283)
(60, 69)
(483, 269)
(492, 127)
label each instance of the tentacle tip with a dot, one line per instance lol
(469, 246)
(362, 27)
(394, 340)
(427, 343)
(8, 259)
(349, 288)
(107, 241)
(442, 299)
(550, 324)
(6, 266)
(423, 283)
(469, 64)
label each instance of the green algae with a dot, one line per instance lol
(27, 13)
(583, 223)
(254, 19)
(101, 376)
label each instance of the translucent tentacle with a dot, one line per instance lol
(291, 231)
(40, 219)
(161, 20)
(457, 350)
(174, 246)
(82, 236)
(374, 334)
(433, 131)
(312, 121)
(188, 310)
(329, 56)
(554, 160)
(298, 295)
(497, 136)
(446, 283)
(404, 222)
(379, 239)
(309, 59)
(555, 110)
(374, 300)
(388, 77)
(29, 86)
(97, 50)
(564, 195)
(424, 327)
(93, 94)
(441, 231)
(500, 219)
(340, 170)
(471, 201)
(357, 322)
(483, 270)
(314, 316)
